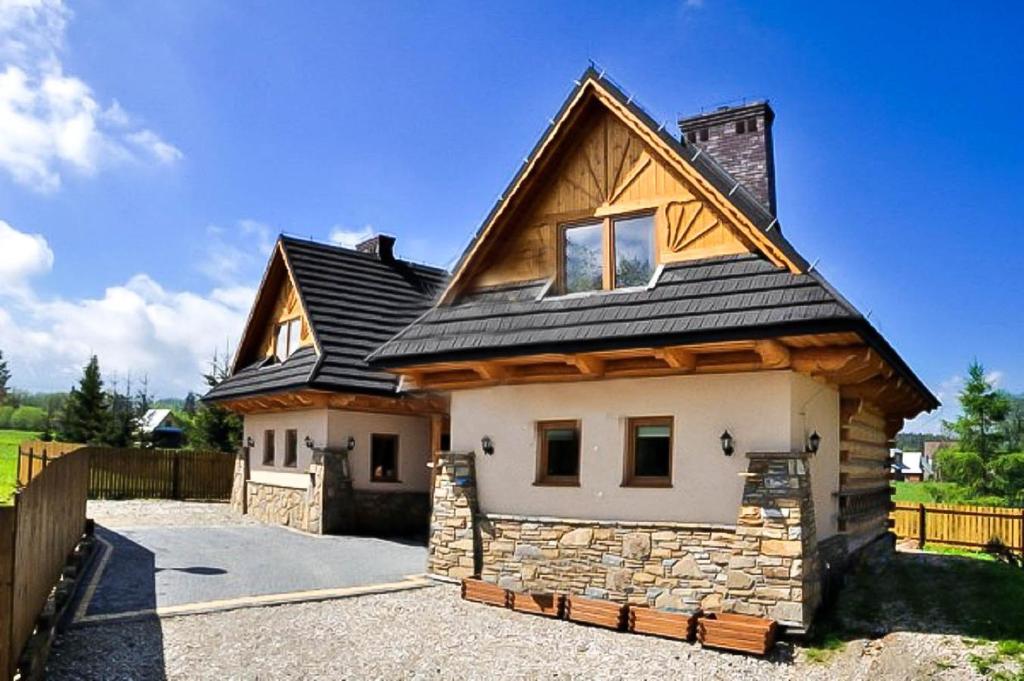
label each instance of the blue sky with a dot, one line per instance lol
(150, 152)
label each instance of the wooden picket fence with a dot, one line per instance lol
(37, 533)
(960, 525)
(135, 473)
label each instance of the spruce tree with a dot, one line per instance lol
(86, 416)
(213, 426)
(984, 409)
(5, 377)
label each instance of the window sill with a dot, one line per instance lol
(655, 484)
(556, 483)
(385, 480)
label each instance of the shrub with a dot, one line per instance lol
(1008, 476)
(5, 416)
(964, 468)
(28, 418)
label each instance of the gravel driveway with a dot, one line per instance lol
(432, 634)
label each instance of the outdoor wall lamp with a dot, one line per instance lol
(813, 442)
(351, 444)
(487, 444)
(727, 443)
(249, 442)
(309, 442)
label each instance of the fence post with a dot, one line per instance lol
(1022, 534)
(922, 516)
(176, 468)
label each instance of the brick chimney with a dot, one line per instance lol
(739, 138)
(380, 245)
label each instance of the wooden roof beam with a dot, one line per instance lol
(588, 365)
(677, 358)
(774, 355)
(829, 360)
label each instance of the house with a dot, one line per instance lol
(911, 466)
(160, 428)
(329, 443)
(654, 398)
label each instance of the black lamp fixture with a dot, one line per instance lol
(351, 444)
(309, 442)
(727, 443)
(813, 442)
(249, 442)
(487, 444)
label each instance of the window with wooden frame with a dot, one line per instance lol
(558, 453)
(600, 255)
(286, 338)
(648, 452)
(268, 448)
(291, 448)
(383, 457)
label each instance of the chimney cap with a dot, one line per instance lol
(380, 245)
(726, 113)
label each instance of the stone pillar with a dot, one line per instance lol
(454, 536)
(239, 481)
(338, 504)
(774, 571)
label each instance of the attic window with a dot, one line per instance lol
(751, 125)
(608, 254)
(704, 134)
(286, 338)
(691, 136)
(740, 127)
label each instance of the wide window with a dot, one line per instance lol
(584, 257)
(268, 448)
(286, 340)
(649, 451)
(558, 456)
(291, 448)
(383, 458)
(612, 253)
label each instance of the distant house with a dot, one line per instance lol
(911, 466)
(161, 428)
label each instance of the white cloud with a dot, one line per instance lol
(51, 122)
(230, 255)
(349, 238)
(136, 328)
(24, 256)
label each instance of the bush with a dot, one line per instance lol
(28, 418)
(5, 417)
(1008, 477)
(964, 468)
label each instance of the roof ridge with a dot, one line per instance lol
(345, 250)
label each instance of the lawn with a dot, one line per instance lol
(941, 493)
(9, 440)
(953, 592)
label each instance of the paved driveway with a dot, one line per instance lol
(178, 569)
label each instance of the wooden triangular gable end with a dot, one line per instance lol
(599, 157)
(278, 299)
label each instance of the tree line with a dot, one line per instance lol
(987, 458)
(100, 414)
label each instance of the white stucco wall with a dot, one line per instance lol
(815, 407)
(311, 422)
(413, 447)
(757, 408)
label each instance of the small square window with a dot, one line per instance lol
(268, 448)
(558, 455)
(740, 128)
(383, 458)
(704, 134)
(649, 452)
(751, 125)
(634, 251)
(691, 136)
(291, 448)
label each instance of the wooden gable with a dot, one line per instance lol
(607, 169)
(277, 301)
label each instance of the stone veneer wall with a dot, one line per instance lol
(766, 565)
(240, 477)
(404, 514)
(289, 506)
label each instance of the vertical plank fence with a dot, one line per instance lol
(37, 533)
(960, 525)
(135, 473)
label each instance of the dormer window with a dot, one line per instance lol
(616, 252)
(286, 338)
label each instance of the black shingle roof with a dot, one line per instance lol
(355, 302)
(702, 299)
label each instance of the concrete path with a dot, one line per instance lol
(168, 570)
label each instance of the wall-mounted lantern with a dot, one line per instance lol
(351, 444)
(728, 446)
(309, 442)
(813, 442)
(487, 444)
(249, 442)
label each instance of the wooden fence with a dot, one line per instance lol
(133, 473)
(959, 525)
(37, 533)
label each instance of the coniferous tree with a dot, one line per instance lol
(984, 409)
(5, 377)
(214, 426)
(189, 407)
(86, 415)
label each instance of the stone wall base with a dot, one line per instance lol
(286, 506)
(398, 514)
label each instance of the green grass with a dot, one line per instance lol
(9, 440)
(949, 592)
(823, 650)
(942, 493)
